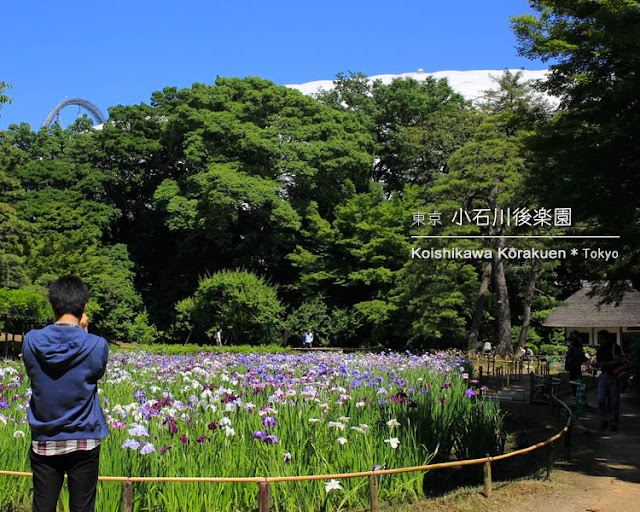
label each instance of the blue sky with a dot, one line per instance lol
(119, 52)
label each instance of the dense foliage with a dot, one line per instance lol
(308, 205)
(593, 141)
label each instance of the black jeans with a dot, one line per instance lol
(48, 475)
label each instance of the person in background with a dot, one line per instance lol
(608, 356)
(218, 337)
(574, 359)
(64, 362)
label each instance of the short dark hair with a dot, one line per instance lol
(68, 294)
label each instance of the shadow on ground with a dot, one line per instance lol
(599, 452)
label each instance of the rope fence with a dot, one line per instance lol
(264, 482)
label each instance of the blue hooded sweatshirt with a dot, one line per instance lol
(64, 365)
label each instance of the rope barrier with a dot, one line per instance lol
(272, 479)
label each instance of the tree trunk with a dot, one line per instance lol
(526, 316)
(504, 310)
(502, 292)
(474, 331)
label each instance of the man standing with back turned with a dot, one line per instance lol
(64, 363)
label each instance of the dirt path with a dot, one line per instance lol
(604, 472)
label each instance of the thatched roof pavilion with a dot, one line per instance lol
(583, 313)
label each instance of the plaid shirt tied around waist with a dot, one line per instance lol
(49, 448)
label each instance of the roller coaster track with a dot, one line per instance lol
(80, 102)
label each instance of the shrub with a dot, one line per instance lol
(330, 327)
(533, 337)
(311, 315)
(141, 331)
(553, 350)
(25, 306)
(244, 305)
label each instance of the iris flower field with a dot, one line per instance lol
(260, 414)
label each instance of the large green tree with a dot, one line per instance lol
(12, 230)
(68, 221)
(483, 176)
(354, 261)
(589, 154)
(216, 176)
(227, 218)
(416, 125)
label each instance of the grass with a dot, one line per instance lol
(505, 496)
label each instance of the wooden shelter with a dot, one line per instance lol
(583, 313)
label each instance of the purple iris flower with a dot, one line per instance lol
(138, 430)
(470, 393)
(147, 448)
(270, 440)
(173, 428)
(269, 421)
(131, 443)
(259, 434)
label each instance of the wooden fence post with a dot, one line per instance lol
(127, 496)
(567, 443)
(486, 473)
(550, 455)
(373, 493)
(263, 497)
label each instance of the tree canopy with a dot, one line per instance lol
(593, 141)
(249, 207)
